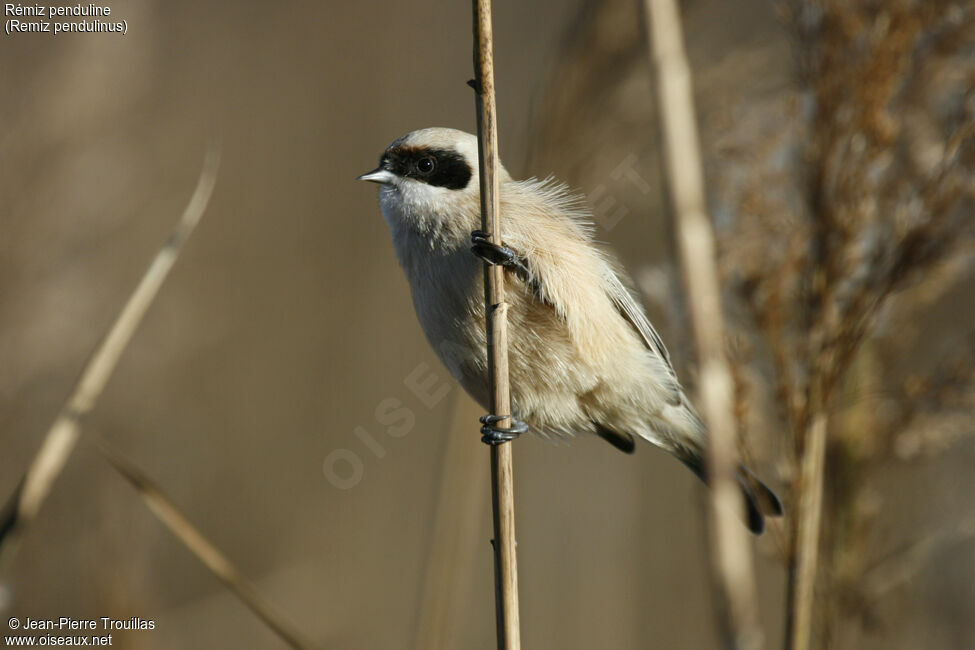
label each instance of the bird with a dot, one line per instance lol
(583, 357)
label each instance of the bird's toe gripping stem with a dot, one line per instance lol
(484, 248)
(491, 434)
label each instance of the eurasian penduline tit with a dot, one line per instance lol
(583, 358)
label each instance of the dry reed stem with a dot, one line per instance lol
(502, 474)
(61, 438)
(731, 556)
(169, 515)
(908, 562)
(799, 611)
(449, 565)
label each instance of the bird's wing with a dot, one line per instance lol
(632, 312)
(554, 236)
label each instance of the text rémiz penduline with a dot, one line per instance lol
(14, 25)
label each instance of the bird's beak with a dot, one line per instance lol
(378, 175)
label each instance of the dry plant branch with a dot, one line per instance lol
(799, 610)
(502, 474)
(170, 516)
(731, 557)
(62, 437)
(900, 567)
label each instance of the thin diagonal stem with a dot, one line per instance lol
(62, 437)
(212, 558)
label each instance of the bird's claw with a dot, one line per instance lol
(501, 255)
(491, 434)
(492, 253)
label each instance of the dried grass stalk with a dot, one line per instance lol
(62, 437)
(166, 511)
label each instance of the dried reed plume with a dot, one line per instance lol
(888, 198)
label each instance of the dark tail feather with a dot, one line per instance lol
(622, 441)
(760, 501)
(768, 503)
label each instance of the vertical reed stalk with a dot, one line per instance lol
(731, 557)
(502, 479)
(803, 569)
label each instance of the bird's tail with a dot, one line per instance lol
(760, 500)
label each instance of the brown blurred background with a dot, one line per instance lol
(286, 322)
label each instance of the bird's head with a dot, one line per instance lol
(428, 181)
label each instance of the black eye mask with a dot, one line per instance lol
(436, 167)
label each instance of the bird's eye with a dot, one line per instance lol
(425, 165)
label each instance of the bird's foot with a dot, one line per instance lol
(491, 434)
(492, 253)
